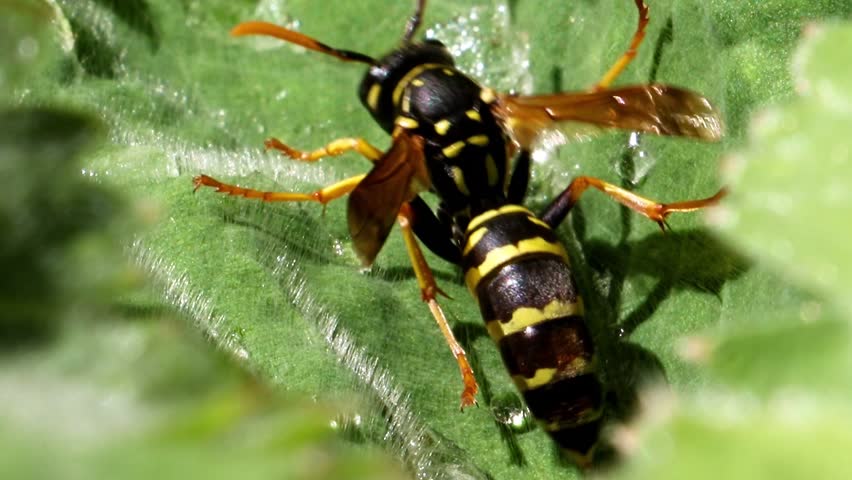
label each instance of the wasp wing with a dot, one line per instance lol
(653, 108)
(397, 177)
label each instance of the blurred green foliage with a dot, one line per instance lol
(97, 375)
(781, 405)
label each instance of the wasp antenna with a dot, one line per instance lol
(281, 33)
(414, 22)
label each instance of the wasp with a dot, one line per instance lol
(470, 146)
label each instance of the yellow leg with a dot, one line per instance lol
(323, 195)
(628, 55)
(337, 147)
(429, 290)
(651, 209)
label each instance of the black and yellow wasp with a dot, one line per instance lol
(460, 141)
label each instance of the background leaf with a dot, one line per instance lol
(277, 287)
(783, 376)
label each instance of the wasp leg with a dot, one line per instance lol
(628, 55)
(334, 148)
(429, 290)
(323, 195)
(414, 22)
(559, 208)
(520, 178)
(436, 235)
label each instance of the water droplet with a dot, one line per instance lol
(350, 424)
(338, 248)
(640, 163)
(486, 47)
(510, 411)
(546, 144)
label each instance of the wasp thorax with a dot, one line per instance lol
(384, 77)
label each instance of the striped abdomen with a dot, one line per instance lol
(518, 271)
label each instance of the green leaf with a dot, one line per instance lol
(277, 287)
(732, 436)
(790, 184)
(779, 407)
(813, 356)
(135, 395)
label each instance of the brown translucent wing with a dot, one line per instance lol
(397, 177)
(653, 108)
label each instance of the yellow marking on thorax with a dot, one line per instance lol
(373, 96)
(542, 377)
(502, 255)
(458, 177)
(453, 150)
(473, 115)
(449, 72)
(478, 140)
(407, 122)
(406, 102)
(524, 317)
(405, 80)
(491, 170)
(487, 95)
(473, 239)
(417, 82)
(442, 126)
(484, 217)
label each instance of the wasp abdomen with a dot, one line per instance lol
(519, 273)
